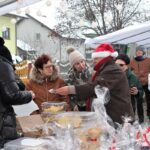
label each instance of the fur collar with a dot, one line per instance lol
(36, 76)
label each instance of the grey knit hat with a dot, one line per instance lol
(74, 56)
(141, 48)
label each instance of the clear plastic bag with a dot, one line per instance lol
(98, 105)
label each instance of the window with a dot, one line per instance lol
(38, 36)
(6, 33)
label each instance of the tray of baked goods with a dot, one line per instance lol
(53, 107)
(50, 109)
(85, 125)
(76, 119)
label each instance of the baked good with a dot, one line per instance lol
(53, 109)
(67, 120)
(94, 133)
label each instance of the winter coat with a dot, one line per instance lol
(77, 78)
(10, 94)
(41, 87)
(111, 76)
(141, 67)
(134, 81)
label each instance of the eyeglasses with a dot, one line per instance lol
(121, 65)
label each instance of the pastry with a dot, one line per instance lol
(53, 109)
(94, 133)
(73, 121)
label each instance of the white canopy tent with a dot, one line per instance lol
(139, 34)
(7, 6)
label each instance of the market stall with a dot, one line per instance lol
(139, 34)
(56, 129)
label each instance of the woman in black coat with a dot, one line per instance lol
(10, 94)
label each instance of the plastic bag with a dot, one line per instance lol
(98, 105)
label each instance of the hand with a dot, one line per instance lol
(32, 93)
(62, 91)
(76, 108)
(133, 91)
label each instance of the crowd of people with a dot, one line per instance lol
(127, 81)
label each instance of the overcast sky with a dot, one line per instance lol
(47, 12)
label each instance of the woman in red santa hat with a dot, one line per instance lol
(107, 74)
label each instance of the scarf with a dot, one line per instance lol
(99, 65)
(139, 58)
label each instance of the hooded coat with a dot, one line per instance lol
(40, 86)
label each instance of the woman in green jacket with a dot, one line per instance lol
(136, 89)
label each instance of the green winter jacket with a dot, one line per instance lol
(134, 81)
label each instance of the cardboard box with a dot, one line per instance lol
(31, 126)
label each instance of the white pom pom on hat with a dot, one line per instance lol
(104, 50)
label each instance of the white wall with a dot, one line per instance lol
(53, 45)
(26, 31)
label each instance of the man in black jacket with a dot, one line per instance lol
(10, 94)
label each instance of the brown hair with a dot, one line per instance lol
(41, 60)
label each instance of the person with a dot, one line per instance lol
(44, 76)
(107, 74)
(78, 74)
(136, 89)
(10, 94)
(140, 65)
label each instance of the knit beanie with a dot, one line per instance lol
(74, 56)
(4, 51)
(140, 48)
(124, 58)
(104, 50)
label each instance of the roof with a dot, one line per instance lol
(6, 2)
(7, 6)
(24, 46)
(139, 33)
(43, 22)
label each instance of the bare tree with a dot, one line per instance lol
(98, 16)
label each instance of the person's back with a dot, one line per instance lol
(10, 94)
(112, 77)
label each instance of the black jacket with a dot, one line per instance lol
(10, 94)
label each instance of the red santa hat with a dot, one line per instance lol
(104, 50)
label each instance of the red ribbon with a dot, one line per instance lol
(145, 136)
